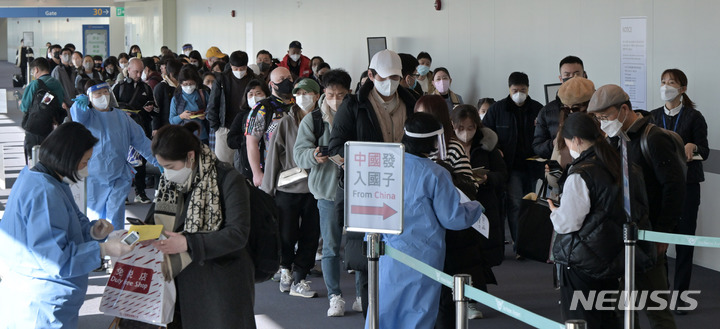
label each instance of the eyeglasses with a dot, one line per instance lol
(606, 117)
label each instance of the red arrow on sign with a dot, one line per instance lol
(384, 211)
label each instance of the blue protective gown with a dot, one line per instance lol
(46, 245)
(409, 299)
(110, 174)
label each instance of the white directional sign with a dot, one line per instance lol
(374, 187)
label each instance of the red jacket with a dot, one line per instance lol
(305, 70)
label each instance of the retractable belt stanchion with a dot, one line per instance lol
(374, 250)
(35, 155)
(459, 282)
(630, 234)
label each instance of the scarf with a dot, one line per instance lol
(204, 213)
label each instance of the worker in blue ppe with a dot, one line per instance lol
(110, 173)
(48, 245)
(432, 204)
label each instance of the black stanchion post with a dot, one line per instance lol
(630, 236)
(374, 250)
(575, 324)
(459, 282)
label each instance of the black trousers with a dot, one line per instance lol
(572, 280)
(686, 225)
(140, 175)
(299, 223)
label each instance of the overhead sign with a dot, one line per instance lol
(120, 11)
(54, 11)
(374, 187)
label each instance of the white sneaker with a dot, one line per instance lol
(285, 280)
(337, 306)
(357, 304)
(473, 312)
(302, 289)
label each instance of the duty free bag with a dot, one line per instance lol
(137, 289)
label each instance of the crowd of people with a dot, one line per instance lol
(210, 123)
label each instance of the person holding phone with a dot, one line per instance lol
(311, 152)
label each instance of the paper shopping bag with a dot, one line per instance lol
(137, 289)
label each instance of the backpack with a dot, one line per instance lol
(318, 126)
(676, 139)
(44, 111)
(244, 165)
(264, 240)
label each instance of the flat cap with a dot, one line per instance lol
(576, 91)
(606, 96)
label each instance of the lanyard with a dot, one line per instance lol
(626, 178)
(677, 120)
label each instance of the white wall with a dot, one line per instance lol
(482, 42)
(150, 25)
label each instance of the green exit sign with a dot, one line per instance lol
(120, 11)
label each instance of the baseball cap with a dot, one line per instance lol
(214, 52)
(386, 63)
(308, 85)
(576, 91)
(295, 44)
(606, 96)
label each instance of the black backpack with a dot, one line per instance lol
(43, 112)
(318, 126)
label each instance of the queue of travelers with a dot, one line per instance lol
(208, 124)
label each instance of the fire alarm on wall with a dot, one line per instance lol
(438, 4)
(232, 13)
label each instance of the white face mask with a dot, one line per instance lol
(574, 154)
(83, 173)
(466, 136)
(101, 103)
(143, 76)
(65, 58)
(482, 115)
(668, 93)
(519, 97)
(239, 74)
(305, 102)
(88, 66)
(109, 70)
(295, 57)
(334, 104)
(254, 100)
(187, 53)
(123, 65)
(178, 176)
(188, 89)
(612, 128)
(386, 87)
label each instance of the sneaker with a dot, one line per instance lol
(357, 304)
(473, 312)
(337, 306)
(276, 277)
(285, 280)
(302, 289)
(142, 198)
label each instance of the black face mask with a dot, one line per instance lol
(132, 55)
(56, 55)
(264, 67)
(98, 65)
(285, 87)
(566, 79)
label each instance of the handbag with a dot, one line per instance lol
(535, 230)
(291, 176)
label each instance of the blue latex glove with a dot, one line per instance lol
(83, 101)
